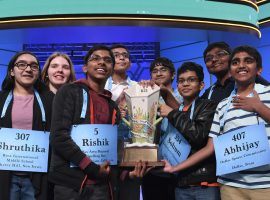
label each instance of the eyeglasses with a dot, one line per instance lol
(23, 66)
(124, 55)
(161, 70)
(218, 55)
(107, 59)
(189, 80)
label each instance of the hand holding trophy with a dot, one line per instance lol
(142, 104)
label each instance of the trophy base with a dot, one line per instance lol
(132, 155)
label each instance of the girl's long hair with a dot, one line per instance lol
(9, 82)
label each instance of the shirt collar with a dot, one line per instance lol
(125, 82)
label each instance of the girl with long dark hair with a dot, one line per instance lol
(25, 103)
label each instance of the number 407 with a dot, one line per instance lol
(239, 136)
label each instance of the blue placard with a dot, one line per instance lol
(173, 147)
(242, 149)
(97, 141)
(24, 150)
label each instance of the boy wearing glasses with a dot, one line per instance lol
(193, 120)
(157, 185)
(119, 79)
(89, 180)
(162, 72)
(216, 58)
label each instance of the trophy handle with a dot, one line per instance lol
(157, 121)
(126, 122)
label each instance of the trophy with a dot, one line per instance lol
(142, 104)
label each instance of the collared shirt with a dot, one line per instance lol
(117, 88)
(258, 177)
(220, 92)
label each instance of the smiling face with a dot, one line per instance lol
(25, 77)
(99, 66)
(244, 68)
(122, 61)
(217, 61)
(189, 85)
(59, 72)
(162, 75)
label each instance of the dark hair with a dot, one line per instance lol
(116, 46)
(164, 62)
(191, 66)
(221, 45)
(97, 48)
(249, 50)
(9, 83)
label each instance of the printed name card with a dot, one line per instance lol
(174, 147)
(24, 150)
(97, 141)
(242, 149)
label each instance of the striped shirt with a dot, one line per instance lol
(258, 177)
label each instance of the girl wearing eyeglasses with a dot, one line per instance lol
(25, 108)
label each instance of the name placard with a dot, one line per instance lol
(24, 150)
(174, 147)
(242, 149)
(97, 141)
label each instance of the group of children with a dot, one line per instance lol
(239, 98)
(246, 103)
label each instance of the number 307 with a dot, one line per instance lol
(22, 136)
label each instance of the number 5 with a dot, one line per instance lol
(95, 131)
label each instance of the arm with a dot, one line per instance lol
(199, 156)
(64, 109)
(195, 131)
(169, 98)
